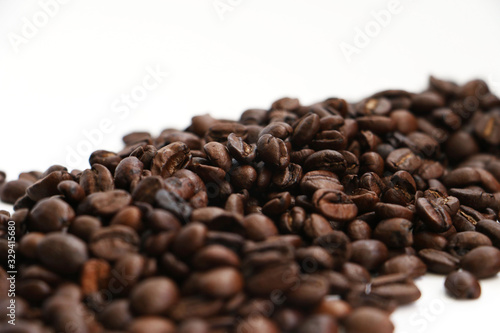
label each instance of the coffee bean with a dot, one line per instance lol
(116, 315)
(439, 262)
(329, 160)
(62, 253)
(483, 261)
(47, 186)
(104, 203)
(491, 229)
(408, 264)
(223, 282)
(273, 151)
(97, 179)
(128, 173)
(11, 191)
(322, 323)
(113, 242)
(462, 285)
(367, 320)
(358, 229)
(154, 296)
(50, 214)
(403, 159)
(461, 243)
(434, 216)
(369, 253)
(394, 232)
(170, 159)
(429, 240)
(335, 205)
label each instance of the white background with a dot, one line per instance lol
(65, 77)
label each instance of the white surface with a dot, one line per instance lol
(68, 77)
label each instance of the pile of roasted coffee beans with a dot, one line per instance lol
(291, 219)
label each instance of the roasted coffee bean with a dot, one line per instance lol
(13, 190)
(154, 296)
(62, 253)
(394, 232)
(259, 227)
(483, 261)
(466, 219)
(84, 226)
(189, 240)
(215, 256)
(355, 273)
(128, 173)
(321, 179)
(429, 240)
(116, 315)
(389, 211)
(402, 293)
(97, 179)
(491, 229)
(104, 203)
(51, 214)
(435, 217)
(462, 285)
(113, 242)
(335, 205)
(273, 151)
(368, 320)
(403, 159)
(170, 159)
(404, 121)
(461, 243)
(223, 282)
(329, 160)
(439, 262)
(217, 154)
(47, 186)
(407, 264)
(305, 129)
(321, 323)
(369, 253)
(476, 199)
(358, 229)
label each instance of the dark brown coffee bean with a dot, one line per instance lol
(173, 203)
(278, 129)
(256, 323)
(483, 261)
(84, 226)
(276, 277)
(320, 323)
(189, 240)
(273, 151)
(487, 127)
(116, 315)
(97, 179)
(13, 190)
(329, 160)
(335, 205)
(154, 296)
(402, 293)
(106, 158)
(47, 186)
(358, 229)
(476, 199)
(329, 140)
(461, 177)
(369, 253)
(429, 240)
(113, 242)
(316, 225)
(368, 320)
(321, 179)
(259, 227)
(128, 173)
(466, 219)
(462, 285)
(439, 262)
(217, 154)
(288, 178)
(404, 121)
(389, 211)
(62, 253)
(243, 177)
(491, 229)
(170, 159)
(461, 243)
(215, 256)
(394, 232)
(434, 216)
(50, 214)
(355, 273)
(305, 129)
(104, 203)
(403, 159)
(407, 264)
